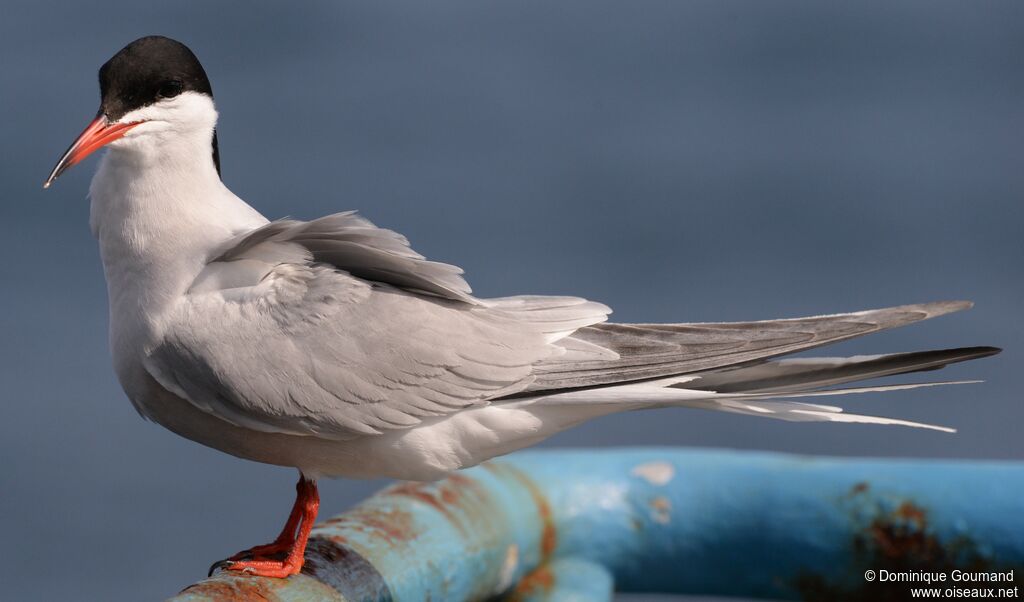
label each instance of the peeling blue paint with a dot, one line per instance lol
(549, 525)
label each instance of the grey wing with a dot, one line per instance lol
(804, 374)
(652, 351)
(336, 328)
(352, 243)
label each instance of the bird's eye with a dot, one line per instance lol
(169, 89)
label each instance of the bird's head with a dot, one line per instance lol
(154, 95)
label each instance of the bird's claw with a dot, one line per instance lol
(219, 565)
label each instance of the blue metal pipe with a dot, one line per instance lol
(566, 525)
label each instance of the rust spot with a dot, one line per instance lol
(460, 499)
(238, 589)
(549, 534)
(910, 512)
(903, 542)
(661, 510)
(391, 525)
(420, 491)
(899, 539)
(339, 539)
(414, 490)
(537, 582)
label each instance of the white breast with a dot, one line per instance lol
(159, 209)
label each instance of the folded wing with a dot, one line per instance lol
(337, 328)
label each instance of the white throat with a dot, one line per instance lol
(159, 209)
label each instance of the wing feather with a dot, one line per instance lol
(337, 328)
(650, 351)
(354, 244)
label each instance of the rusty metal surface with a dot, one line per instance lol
(564, 580)
(563, 525)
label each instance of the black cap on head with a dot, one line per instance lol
(148, 70)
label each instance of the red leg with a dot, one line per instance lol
(303, 516)
(286, 539)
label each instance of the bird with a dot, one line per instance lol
(332, 346)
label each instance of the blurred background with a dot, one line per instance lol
(679, 161)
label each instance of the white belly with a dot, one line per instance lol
(424, 453)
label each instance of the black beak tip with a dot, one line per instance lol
(60, 168)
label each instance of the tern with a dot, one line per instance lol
(332, 346)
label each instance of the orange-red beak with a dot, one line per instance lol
(99, 133)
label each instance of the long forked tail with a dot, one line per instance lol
(731, 367)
